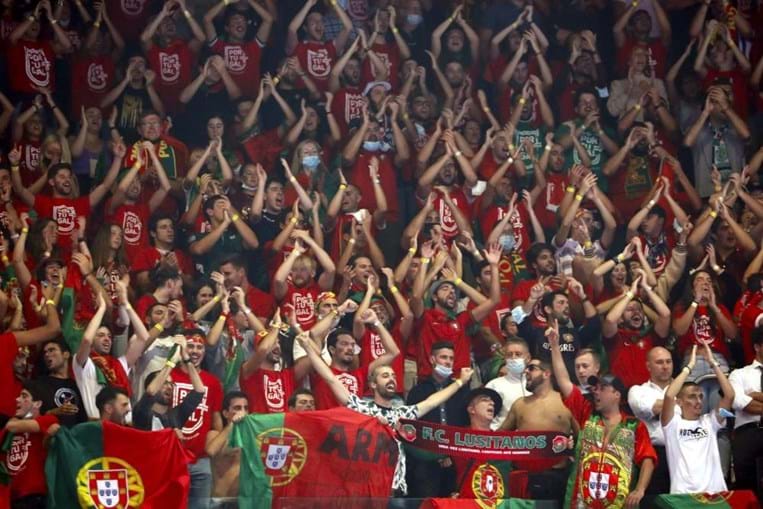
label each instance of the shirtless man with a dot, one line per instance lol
(544, 410)
(226, 461)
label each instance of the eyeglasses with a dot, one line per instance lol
(533, 367)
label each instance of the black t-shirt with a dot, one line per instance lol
(571, 340)
(59, 391)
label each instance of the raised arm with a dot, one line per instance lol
(340, 392)
(443, 395)
(561, 374)
(292, 37)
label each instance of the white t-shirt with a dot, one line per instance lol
(693, 458)
(87, 381)
(511, 389)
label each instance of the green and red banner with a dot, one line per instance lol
(740, 499)
(106, 465)
(325, 455)
(484, 445)
(512, 503)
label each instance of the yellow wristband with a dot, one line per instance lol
(276, 80)
(5, 259)
(351, 241)
(186, 13)
(629, 294)
(216, 299)
(25, 230)
(221, 318)
(170, 364)
(225, 2)
(395, 30)
(136, 166)
(547, 148)
(713, 214)
(342, 187)
(293, 220)
(15, 168)
(522, 101)
(485, 109)
(393, 290)
(570, 189)
(235, 218)
(458, 282)
(459, 382)
(579, 197)
(412, 250)
(50, 302)
(159, 327)
(637, 107)
(619, 258)
(425, 261)
(587, 244)
(293, 179)
(97, 24)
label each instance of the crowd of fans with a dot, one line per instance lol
(503, 214)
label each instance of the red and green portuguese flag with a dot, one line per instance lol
(313, 455)
(99, 465)
(461, 503)
(729, 499)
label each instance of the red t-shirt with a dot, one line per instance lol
(627, 352)
(481, 348)
(389, 54)
(243, 63)
(131, 16)
(522, 293)
(91, 80)
(317, 58)
(262, 304)
(657, 57)
(520, 221)
(703, 329)
(200, 422)
(347, 105)
(448, 224)
(268, 391)
(550, 198)
(133, 218)
(64, 211)
(11, 386)
(631, 184)
(435, 325)
(354, 381)
(360, 178)
(25, 460)
(144, 303)
(371, 348)
(149, 257)
(174, 68)
(33, 63)
(29, 166)
(303, 302)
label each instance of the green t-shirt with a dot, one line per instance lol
(595, 148)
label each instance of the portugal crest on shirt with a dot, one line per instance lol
(108, 482)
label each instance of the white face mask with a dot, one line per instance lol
(443, 371)
(515, 366)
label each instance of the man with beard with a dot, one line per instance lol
(294, 283)
(345, 84)
(383, 384)
(646, 402)
(342, 347)
(161, 253)
(555, 306)
(442, 322)
(475, 479)
(543, 409)
(597, 140)
(541, 261)
(611, 444)
(450, 203)
(63, 205)
(301, 400)
(205, 418)
(628, 338)
(60, 397)
(234, 274)
(93, 360)
(126, 208)
(226, 461)
(113, 405)
(264, 378)
(155, 409)
(168, 286)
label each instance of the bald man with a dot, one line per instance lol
(645, 401)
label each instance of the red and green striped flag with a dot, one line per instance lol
(106, 465)
(512, 503)
(315, 456)
(740, 499)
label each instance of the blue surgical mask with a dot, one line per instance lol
(371, 146)
(311, 162)
(414, 19)
(443, 371)
(507, 242)
(515, 366)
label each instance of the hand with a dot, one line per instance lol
(150, 77)
(577, 288)
(83, 262)
(493, 254)
(630, 249)
(588, 182)
(369, 316)
(537, 291)
(634, 498)
(466, 375)
(239, 296)
(552, 333)
(14, 156)
(634, 285)
(528, 198)
(348, 306)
